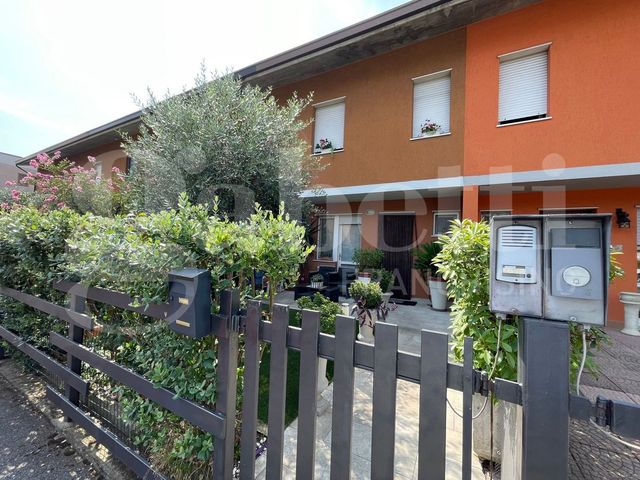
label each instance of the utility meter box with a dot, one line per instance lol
(190, 302)
(551, 266)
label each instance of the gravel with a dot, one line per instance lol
(30, 448)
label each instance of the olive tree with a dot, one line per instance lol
(224, 138)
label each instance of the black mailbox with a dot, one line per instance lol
(190, 302)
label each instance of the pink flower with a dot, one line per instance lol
(91, 159)
(115, 170)
(50, 198)
(4, 206)
(9, 183)
(15, 194)
(34, 163)
(61, 205)
(54, 189)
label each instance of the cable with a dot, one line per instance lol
(493, 369)
(584, 357)
(580, 370)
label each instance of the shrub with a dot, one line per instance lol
(133, 253)
(424, 255)
(369, 293)
(384, 278)
(464, 263)
(328, 311)
(368, 258)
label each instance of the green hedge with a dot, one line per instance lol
(133, 254)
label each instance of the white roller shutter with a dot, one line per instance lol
(432, 101)
(329, 124)
(523, 86)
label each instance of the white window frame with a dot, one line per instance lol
(512, 56)
(316, 135)
(336, 235)
(417, 122)
(438, 213)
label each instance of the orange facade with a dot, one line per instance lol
(593, 87)
(378, 114)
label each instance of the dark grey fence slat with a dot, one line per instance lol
(343, 383)
(432, 441)
(227, 387)
(46, 361)
(190, 411)
(116, 299)
(383, 431)
(250, 392)
(127, 456)
(65, 314)
(308, 395)
(467, 408)
(76, 335)
(277, 391)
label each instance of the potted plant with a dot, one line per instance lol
(324, 145)
(384, 278)
(368, 297)
(328, 311)
(368, 261)
(429, 128)
(424, 257)
(317, 281)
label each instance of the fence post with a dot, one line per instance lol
(543, 370)
(76, 334)
(226, 386)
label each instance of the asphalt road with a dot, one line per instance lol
(29, 446)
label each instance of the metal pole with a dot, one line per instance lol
(543, 370)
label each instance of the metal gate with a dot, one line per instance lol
(542, 391)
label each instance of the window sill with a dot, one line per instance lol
(335, 150)
(426, 137)
(500, 125)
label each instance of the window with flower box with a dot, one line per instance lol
(432, 104)
(328, 130)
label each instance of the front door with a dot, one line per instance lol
(398, 234)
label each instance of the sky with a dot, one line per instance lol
(67, 66)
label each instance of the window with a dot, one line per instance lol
(338, 237)
(523, 85)
(487, 215)
(441, 221)
(329, 126)
(431, 104)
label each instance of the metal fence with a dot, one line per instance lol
(541, 392)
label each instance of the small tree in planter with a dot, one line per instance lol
(424, 256)
(367, 260)
(384, 278)
(368, 297)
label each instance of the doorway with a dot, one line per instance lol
(397, 241)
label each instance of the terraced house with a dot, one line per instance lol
(441, 109)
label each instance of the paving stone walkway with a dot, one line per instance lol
(594, 454)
